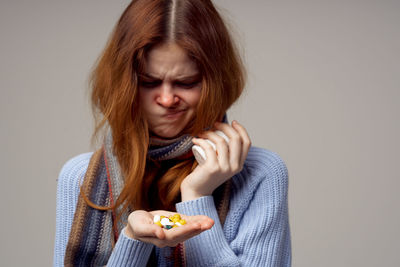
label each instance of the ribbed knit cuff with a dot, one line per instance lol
(210, 246)
(130, 252)
(200, 206)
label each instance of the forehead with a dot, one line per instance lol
(169, 60)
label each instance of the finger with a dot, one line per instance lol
(222, 148)
(205, 221)
(172, 239)
(187, 229)
(205, 224)
(155, 241)
(210, 153)
(174, 236)
(182, 236)
(179, 234)
(195, 225)
(141, 224)
(235, 144)
(246, 142)
(148, 230)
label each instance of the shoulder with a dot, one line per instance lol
(263, 159)
(263, 170)
(73, 171)
(263, 162)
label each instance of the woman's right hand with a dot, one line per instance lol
(141, 227)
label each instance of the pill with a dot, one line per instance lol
(200, 154)
(165, 221)
(172, 221)
(156, 218)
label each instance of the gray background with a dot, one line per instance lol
(323, 92)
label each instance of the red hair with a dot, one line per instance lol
(195, 26)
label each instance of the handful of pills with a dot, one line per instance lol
(172, 221)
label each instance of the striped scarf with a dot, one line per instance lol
(94, 232)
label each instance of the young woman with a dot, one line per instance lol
(163, 84)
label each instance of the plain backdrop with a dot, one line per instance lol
(322, 91)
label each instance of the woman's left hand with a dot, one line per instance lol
(220, 165)
(141, 227)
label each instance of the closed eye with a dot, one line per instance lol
(187, 85)
(150, 84)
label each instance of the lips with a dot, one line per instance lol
(174, 113)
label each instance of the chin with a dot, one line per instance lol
(167, 134)
(172, 130)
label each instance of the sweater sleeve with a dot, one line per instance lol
(260, 235)
(127, 251)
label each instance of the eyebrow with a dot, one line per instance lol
(180, 78)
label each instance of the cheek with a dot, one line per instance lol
(145, 101)
(143, 95)
(193, 98)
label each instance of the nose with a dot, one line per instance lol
(167, 97)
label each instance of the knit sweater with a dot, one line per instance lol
(255, 233)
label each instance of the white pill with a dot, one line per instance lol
(177, 223)
(199, 152)
(220, 133)
(156, 218)
(165, 221)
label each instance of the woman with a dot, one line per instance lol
(168, 74)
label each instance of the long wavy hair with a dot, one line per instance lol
(197, 27)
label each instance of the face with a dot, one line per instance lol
(169, 90)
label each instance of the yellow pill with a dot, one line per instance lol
(182, 222)
(175, 219)
(177, 216)
(159, 224)
(174, 226)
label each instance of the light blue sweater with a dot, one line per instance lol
(256, 231)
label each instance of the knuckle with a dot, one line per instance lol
(220, 142)
(236, 138)
(226, 169)
(207, 145)
(161, 245)
(247, 143)
(235, 167)
(213, 168)
(240, 168)
(219, 139)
